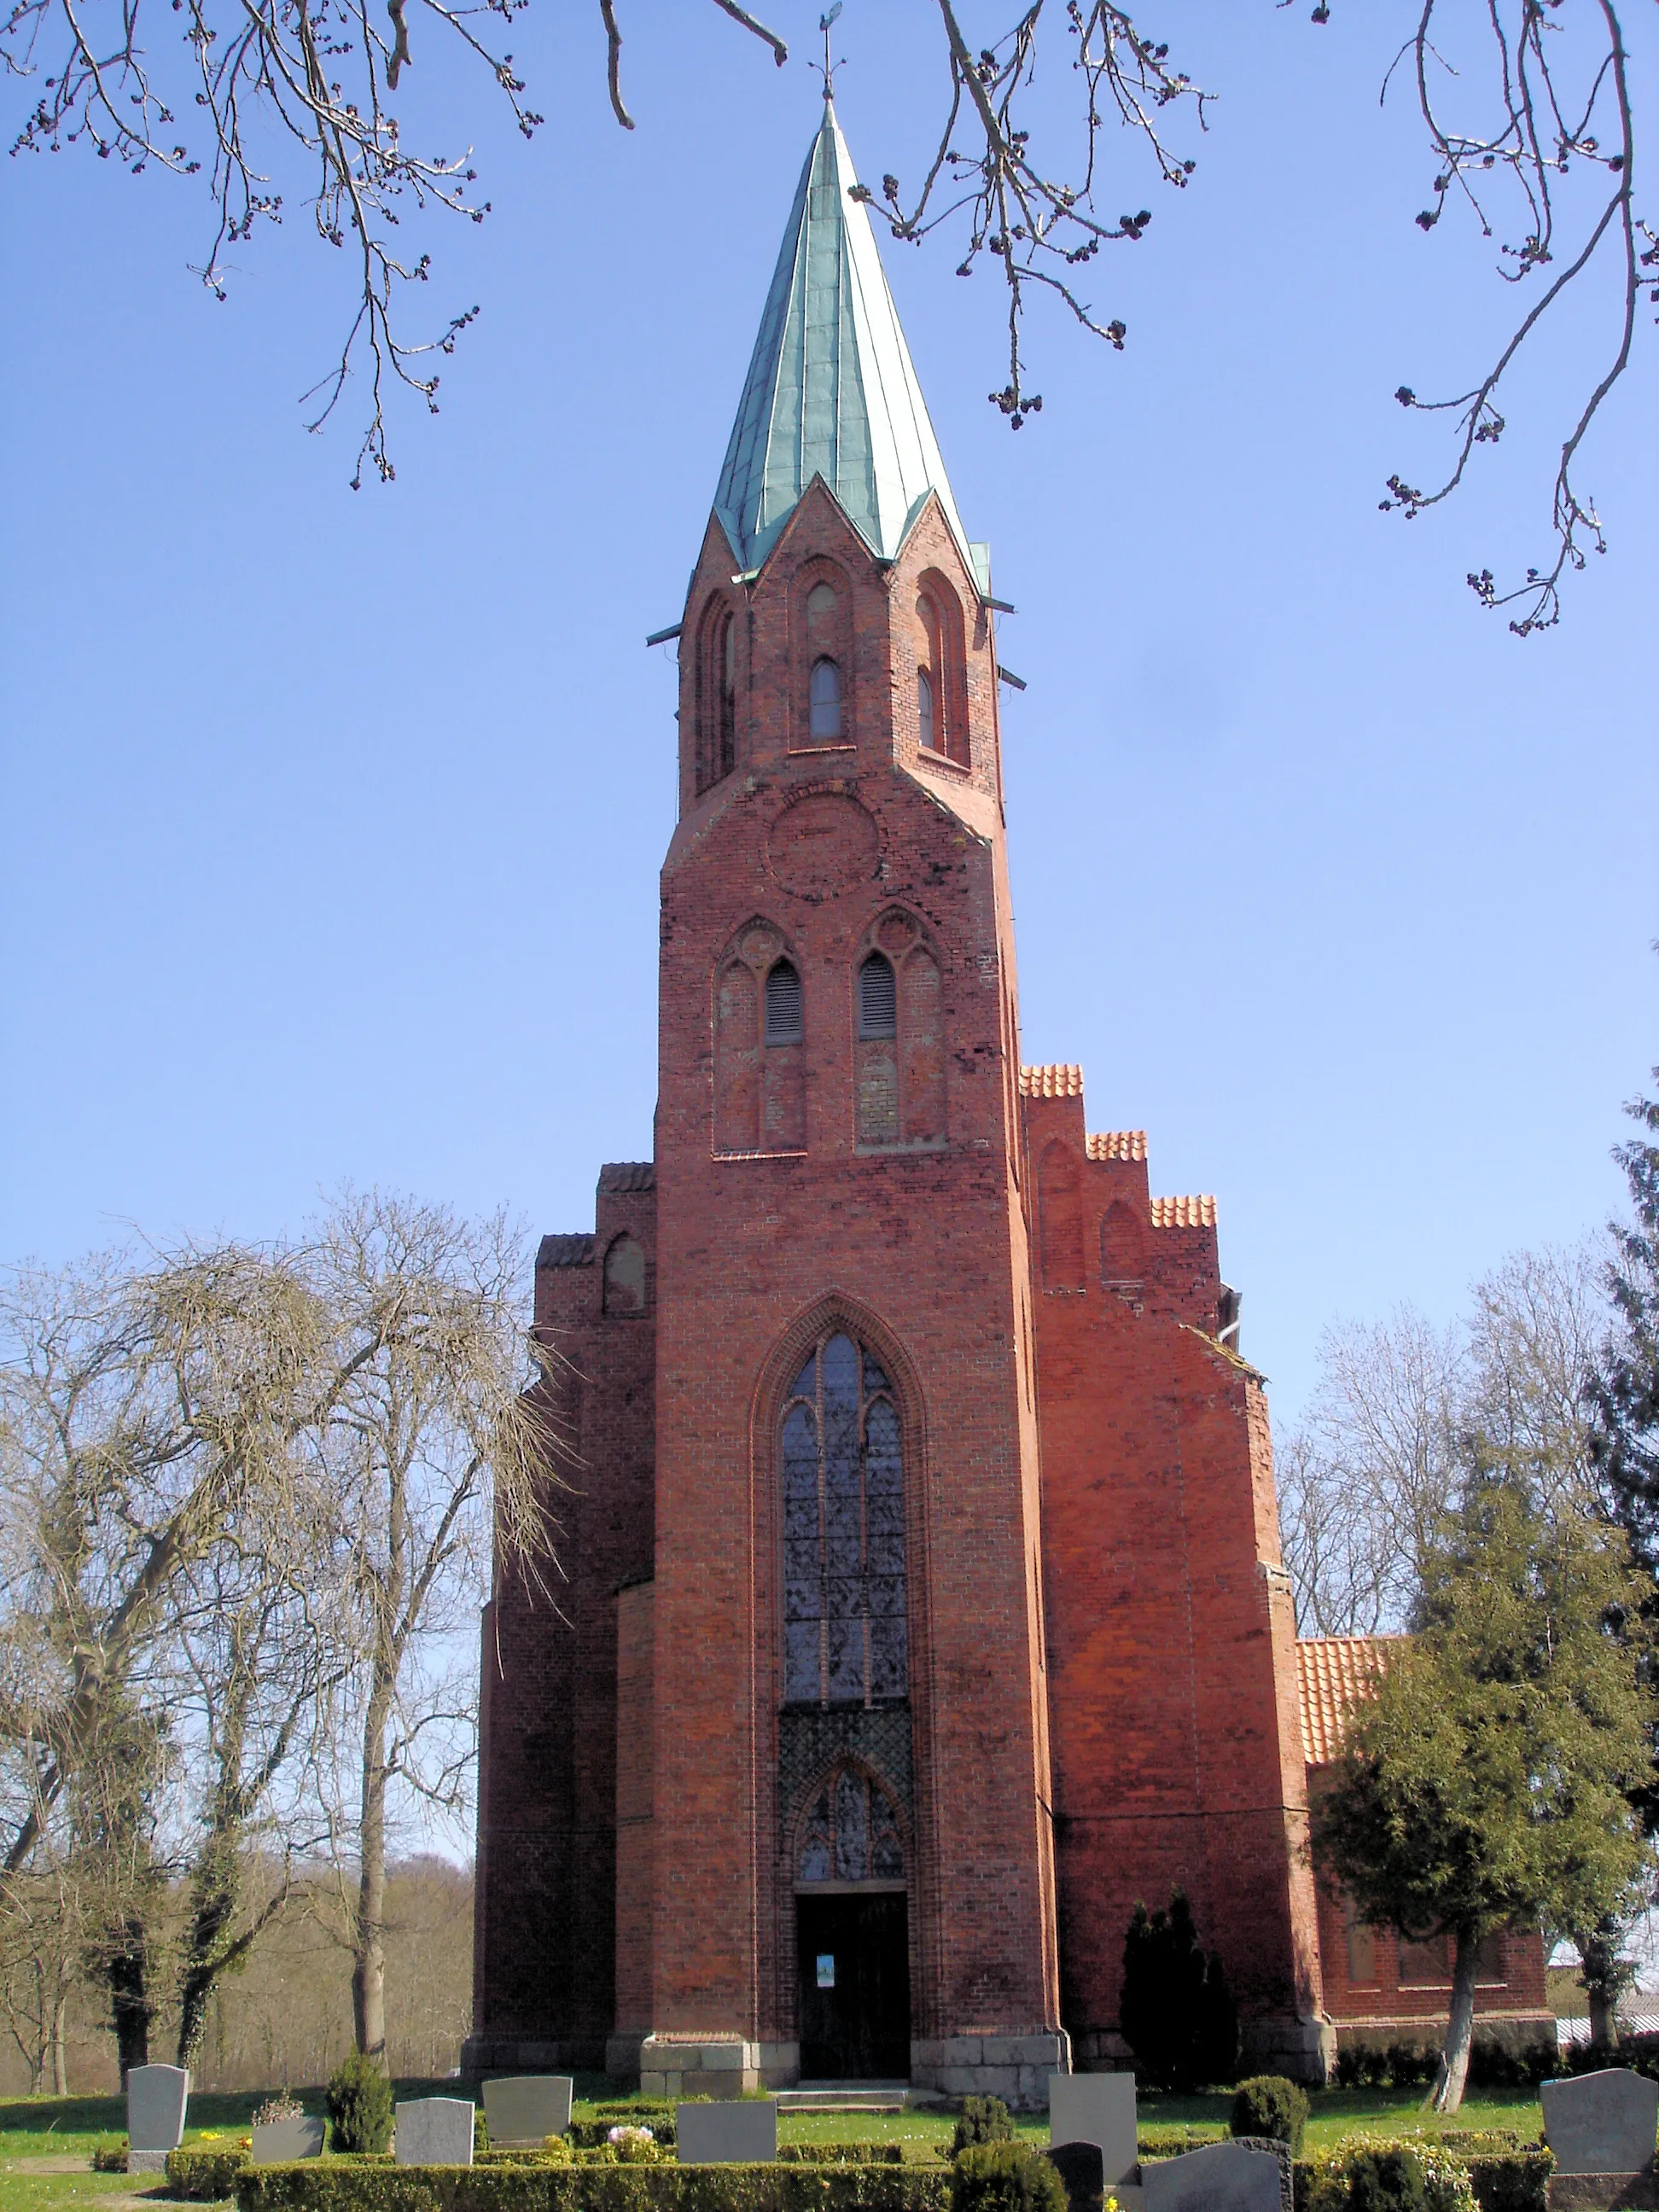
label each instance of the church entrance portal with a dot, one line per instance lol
(854, 1952)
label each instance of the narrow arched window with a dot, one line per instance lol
(823, 697)
(727, 663)
(783, 1008)
(878, 998)
(931, 687)
(845, 1633)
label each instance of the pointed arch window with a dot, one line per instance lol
(845, 1637)
(931, 709)
(851, 1834)
(824, 700)
(717, 696)
(783, 1004)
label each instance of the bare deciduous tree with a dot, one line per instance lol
(1545, 85)
(1366, 1480)
(435, 1449)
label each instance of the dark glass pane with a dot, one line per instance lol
(802, 1596)
(815, 1859)
(852, 1828)
(874, 1379)
(806, 1381)
(846, 1668)
(800, 1661)
(886, 1595)
(887, 1859)
(888, 1669)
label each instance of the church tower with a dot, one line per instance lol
(772, 1794)
(847, 1591)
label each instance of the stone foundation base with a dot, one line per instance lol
(1015, 2068)
(622, 2054)
(1514, 2031)
(147, 2161)
(1602, 2192)
(714, 2066)
(525, 2054)
(1305, 2050)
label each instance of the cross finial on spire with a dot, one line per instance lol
(829, 67)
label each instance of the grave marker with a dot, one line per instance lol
(522, 2109)
(737, 2131)
(433, 2131)
(156, 2098)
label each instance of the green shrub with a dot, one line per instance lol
(1175, 2010)
(480, 2130)
(350, 2185)
(1387, 2181)
(983, 2120)
(110, 2158)
(359, 2105)
(1006, 2177)
(205, 2176)
(1271, 2104)
(1512, 2181)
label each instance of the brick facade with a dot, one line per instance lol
(922, 1607)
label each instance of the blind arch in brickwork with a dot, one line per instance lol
(899, 1078)
(759, 1066)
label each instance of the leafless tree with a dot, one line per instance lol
(1544, 86)
(43, 1938)
(436, 1450)
(1379, 1458)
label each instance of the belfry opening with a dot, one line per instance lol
(923, 1610)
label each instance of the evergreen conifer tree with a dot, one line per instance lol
(1176, 2013)
(1626, 1392)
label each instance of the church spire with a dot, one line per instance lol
(831, 389)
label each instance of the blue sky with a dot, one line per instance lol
(331, 821)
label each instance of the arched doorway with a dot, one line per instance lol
(853, 1935)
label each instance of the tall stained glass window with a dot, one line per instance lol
(843, 1532)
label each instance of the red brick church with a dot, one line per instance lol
(925, 1607)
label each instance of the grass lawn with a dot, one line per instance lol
(47, 2142)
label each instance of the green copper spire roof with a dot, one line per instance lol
(830, 390)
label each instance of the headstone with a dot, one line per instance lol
(156, 2098)
(433, 2131)
(737, 2131)
(1602, 2123)
(522, 2109)
(1225, 2177)
(1082, 2168)
(1097, 2108)
(276, 2142)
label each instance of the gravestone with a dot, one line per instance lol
(737, 2131)
(1602, 2123)
(1082, 2168)
(1097, 2108)
(276, 2142)
(433, 2131)
(523, 2109)
(1225, 2177)
(156, 2098)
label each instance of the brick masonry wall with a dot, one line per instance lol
(920, 1249)
(544, 1961)
(1170, 1637)
(636, 1805)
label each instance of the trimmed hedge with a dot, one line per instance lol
(342, 2185)
(1170, 2138)
(1504, 2181)
(589, 2134)
(110, 2158)
(205, 2176)
(841, 2153)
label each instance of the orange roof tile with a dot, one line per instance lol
(1058, 1080)
(1184, 1212)
(1333, 1675)
(1118, 1145)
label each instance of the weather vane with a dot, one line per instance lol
(830, 67)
